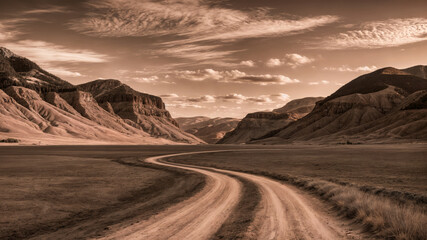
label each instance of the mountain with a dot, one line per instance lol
(140, 110)
(38, 107)
(257, 124)
(383, 106)
(209, 130)
(19, 71)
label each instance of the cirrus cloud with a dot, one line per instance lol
(379, 34)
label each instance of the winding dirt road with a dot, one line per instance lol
(284, 213)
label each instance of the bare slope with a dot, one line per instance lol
(26, 116)
(369, 108)
(256, 125)
(208, 129)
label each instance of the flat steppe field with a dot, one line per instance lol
(80, 191)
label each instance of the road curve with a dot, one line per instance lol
(198, 217)
(284, 213)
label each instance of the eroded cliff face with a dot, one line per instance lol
(140, 110)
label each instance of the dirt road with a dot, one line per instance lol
(284, 212)
(196, 218)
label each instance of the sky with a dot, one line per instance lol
(223, 58)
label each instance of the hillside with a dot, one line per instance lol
(384, 106)
(209, 130)
(38, 107)
(257, 124)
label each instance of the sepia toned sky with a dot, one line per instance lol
(222, 58)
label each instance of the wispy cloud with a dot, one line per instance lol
(9, 28)
(195, 18)
(197, 28)
(47, 9)
(45, 52)
(151, 79)
(379, 34)
(345, 68)
(292, 60)
(234, 76)
(63, 72)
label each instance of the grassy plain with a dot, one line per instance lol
(56, 189)
(80, 191)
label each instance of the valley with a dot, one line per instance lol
(395, 173)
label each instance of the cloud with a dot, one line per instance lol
(47, 9)
(295, 60)
(345, 68)
(234, 76)
(198, 28)
(8, 28)
(319, 82)
(183, 105)
(274, 62)
(196, 19)
(63, 72)
(193, 52)
(151, 79)
(292, 60)
(172, 95)
(282, 96)
(264, 79)
(235, 98)
(247, 63)
(379, 34)
(205, 99)
(260, 100)
(44, 52)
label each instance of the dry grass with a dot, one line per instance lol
(48, 193)
(378, 215)
(382, 210)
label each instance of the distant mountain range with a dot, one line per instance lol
(38, 107)
(388, 105)
(209, 130)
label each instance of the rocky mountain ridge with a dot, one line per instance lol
(99, 111)
(382, 106)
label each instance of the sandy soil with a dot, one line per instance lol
(284, 213)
